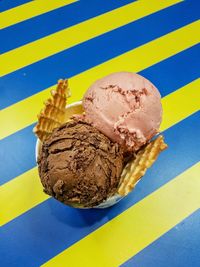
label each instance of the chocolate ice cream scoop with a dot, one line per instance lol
(80, 166)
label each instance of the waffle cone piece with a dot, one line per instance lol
(136, 168)
(53, 114)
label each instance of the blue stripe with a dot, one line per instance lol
(20, 34)
(51, 227)
(18, 151)
(38, 76)
(8, 4)
(178, 247)
(169, 75)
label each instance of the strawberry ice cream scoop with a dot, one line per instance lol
(126, 107)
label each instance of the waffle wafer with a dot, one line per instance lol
(53, 113)
(136, 168)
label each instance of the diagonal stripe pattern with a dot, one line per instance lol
(52, 44)
(138, 226)
(7, 4)
(25, 82)
(65, 220)
(76, 12)
(168, 193)
(29, 10)
(173, 68)
(160, 252)
(135, 60)
(29, 180)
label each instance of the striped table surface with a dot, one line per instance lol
(41, 41)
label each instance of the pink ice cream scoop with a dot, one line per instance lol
(126, 107)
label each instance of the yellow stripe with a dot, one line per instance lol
(22, 200)
(134, 60)
(54, 43)
(180, 104)
(137, 227)
(29, 10)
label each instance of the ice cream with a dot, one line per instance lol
(80, 166)
(93, 155)
(124, 106)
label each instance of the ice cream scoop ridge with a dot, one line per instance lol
(124, 106)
